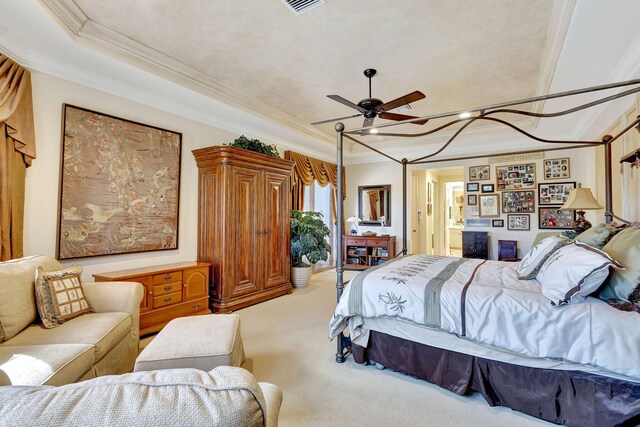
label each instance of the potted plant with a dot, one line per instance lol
(255, 145)
(308, 239)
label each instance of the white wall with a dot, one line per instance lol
(583, 166)
(42, 181)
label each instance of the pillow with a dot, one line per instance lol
(624, 247)
(59, 296)
(538, 254)
(573, 272)
(595, 236)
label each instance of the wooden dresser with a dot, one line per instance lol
(362, 252)
(243, 225)
(170, 291)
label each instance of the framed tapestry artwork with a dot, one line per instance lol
(519, 201)
(487, 188)
(555, 193)
(516, 177)
(489, 205)
(557, 168)
(472, 199)
(473, 186)
(518, 222)
(554, 218)
(119, 186)
(479, 173)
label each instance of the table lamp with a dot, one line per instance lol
(581, 199)
(354, 220)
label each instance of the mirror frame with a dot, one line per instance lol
(387, 189)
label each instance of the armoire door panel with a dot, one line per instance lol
(244, 239)
(276, 229)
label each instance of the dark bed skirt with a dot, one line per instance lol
(571, 398)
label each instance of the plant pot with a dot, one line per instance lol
(300, 276)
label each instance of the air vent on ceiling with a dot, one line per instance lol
(301, 6)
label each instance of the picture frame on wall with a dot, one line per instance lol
(497, 222)
(516, 177)
(554, 193)
(552, 218)
(518, 222)
(472, 199)
(479, 173)
(488, 188)
(521, 201)
(473, 186)
(119, 186)
(557, 168)
(489, 205)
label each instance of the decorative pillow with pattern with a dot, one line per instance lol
(573, 272)
(59, 296)
(538, 254)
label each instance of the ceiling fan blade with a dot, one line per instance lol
(346, 102)
(403, 100)
(400, 117)
(368, 121)
(335, 120)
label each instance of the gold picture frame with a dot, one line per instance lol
(489, 205)
(557, 168)
(516, 177)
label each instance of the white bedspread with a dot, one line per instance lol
(485, 301)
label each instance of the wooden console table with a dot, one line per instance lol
(362, 252)
(170, 291)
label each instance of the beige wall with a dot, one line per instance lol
(49, 93)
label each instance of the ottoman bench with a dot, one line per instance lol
(200, 342)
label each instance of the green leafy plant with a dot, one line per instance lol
(255, 145)
(308, 238)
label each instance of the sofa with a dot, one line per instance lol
(92, 345)
(225, 396)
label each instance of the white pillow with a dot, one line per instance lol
(573, 272)
(537, 255)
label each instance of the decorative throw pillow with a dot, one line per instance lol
(595, 236)
(624, 247)
(538, 254)
(59, 296)
(573, 272)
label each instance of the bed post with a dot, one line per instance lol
(404, 206)
(608, 191)
(340, 355)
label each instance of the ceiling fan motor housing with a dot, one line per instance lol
(370, 104)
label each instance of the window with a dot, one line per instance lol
(317, 198)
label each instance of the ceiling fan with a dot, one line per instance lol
(371, 108)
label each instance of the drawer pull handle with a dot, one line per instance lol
(265, 232)
(168, 299)
(168, 288)
(167, 276)
(197, 306)
(259, 232)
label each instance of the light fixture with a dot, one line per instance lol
(354, 220)
(373, 130)
(581, 199)
(464, 115)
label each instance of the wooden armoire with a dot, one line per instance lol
(243, 223)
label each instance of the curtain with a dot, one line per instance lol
(306, 170)
(17, 141)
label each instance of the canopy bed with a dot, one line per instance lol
(478, 325)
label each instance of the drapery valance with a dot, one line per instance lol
(17, 150)
(306, 171)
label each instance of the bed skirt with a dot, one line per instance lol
(571, 398)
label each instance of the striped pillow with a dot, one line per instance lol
(538, 254)
(573, 272)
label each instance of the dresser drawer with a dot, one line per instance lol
(167, 299)
(356, 242)
(378, 243)
(167, 288)
(174, 276)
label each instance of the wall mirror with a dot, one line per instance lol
(374, 202)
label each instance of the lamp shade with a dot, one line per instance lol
(581, 199)
(354, 219)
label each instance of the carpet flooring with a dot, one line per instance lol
(286, 342)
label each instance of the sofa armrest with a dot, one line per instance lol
(273, 398)
(107, 297)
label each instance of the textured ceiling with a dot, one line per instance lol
(461, 53)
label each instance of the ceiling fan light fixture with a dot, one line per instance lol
(373, 130)
(465, 115)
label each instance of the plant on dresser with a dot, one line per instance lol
(170, 291)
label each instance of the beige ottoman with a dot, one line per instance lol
(201, 342)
